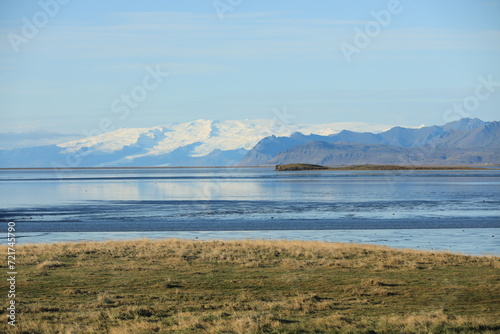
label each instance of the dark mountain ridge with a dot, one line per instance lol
(466, 141)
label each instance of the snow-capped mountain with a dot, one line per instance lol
(198, 143)
(207, 134)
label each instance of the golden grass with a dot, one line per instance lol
(181, 286)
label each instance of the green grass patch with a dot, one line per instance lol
(180, 286)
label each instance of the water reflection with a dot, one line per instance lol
(249, 194)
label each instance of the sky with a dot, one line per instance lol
(67, 66)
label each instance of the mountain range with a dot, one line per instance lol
(467, 141)
(265, 142)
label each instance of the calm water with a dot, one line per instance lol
(363, 206)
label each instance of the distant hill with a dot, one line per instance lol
(467, 141)
(345, 154)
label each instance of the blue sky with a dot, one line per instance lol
(259, 56)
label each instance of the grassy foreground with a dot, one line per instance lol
(180, 286)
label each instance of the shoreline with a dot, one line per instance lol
(470, 241)
(311, 167)
(122, 168)
(353, 167)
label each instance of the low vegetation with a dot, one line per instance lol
(294, 167)
(181, 286)
(290, 167)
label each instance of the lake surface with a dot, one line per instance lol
(456, 210)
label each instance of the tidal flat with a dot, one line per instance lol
(250, 286)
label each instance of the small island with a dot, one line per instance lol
(301, 167)
(289, 167)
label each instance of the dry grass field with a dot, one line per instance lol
(180, 286)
